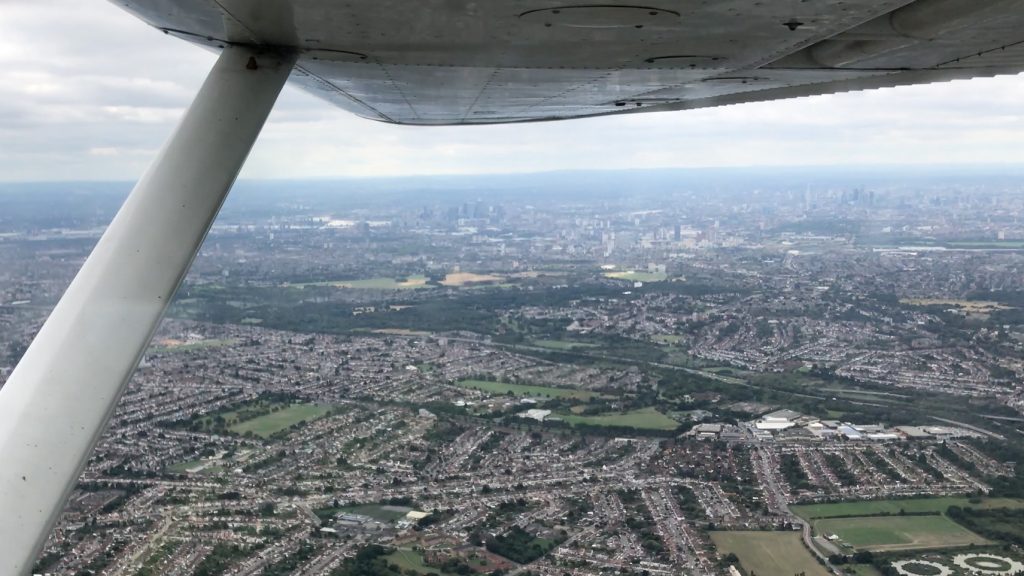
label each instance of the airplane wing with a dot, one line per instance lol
(442, 62)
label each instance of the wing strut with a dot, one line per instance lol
(61, 395)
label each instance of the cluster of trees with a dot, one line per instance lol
(955, 459)
(220, 559)
(267, 462)
(793, 472)
(368, 561)
(456, 565)
(923, 464)
(882, 465)
(265, 403)
(1005, 524)
(444, 432)
(1008, 486)
(839, 468)
(290, 563)
(610, 431)
(436, 517)
(519, 546)
(863, 557)
(689, 503)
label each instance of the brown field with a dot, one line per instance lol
(976, 306)
(463, 278)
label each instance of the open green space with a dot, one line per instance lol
(526, 390)
(644, 418)
(769, 553)
(636, 276)
(997, 244)
(563, 344)
(268, 424)
(889, 533)
(172, 346)
(1005, 524)
(520, 546)
(381, 283)
(909, 506)
(184, 467)
(409, 560)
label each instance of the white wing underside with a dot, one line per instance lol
(439, 62)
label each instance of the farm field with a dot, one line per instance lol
(527, 390)
(890, 533)
(769, 553)
(266, 425)
(910, 506)
(645, 418)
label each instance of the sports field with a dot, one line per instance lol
(769, 553)
(890, 533)
(266, 425)
(644, 418)
(409, 560)
(915, 505)
(526, 390)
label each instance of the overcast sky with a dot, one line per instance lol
(88, 92)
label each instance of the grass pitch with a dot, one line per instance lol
(265, 426)
(891, 533)
(769, 553)
(644, 418)
(409, 560)
(914, 505)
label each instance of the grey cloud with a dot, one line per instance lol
(88, 92)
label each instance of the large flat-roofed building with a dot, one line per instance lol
(773, 424)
